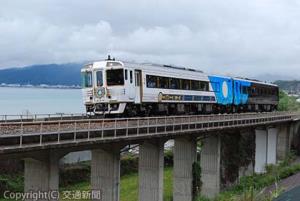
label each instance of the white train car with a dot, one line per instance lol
(116, 87)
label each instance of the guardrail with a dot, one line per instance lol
(40, 117)
(14, 135)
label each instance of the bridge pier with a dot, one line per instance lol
(211, 166)
(151, 171)
(265, 148)
(105, 173)
(283, 143)
(42, 175)
(185, 154)
(272, 145)
(248, 147)
(260, 150)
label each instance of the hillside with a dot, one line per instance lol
(50, 74)
(289, 86)
(69, 74)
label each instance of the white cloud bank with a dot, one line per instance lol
(237, 37)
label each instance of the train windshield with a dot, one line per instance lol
(99, 77)
(115, 77)
(87, 79)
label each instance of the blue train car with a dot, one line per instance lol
(243, 95)
(254, 95)
(240, 88)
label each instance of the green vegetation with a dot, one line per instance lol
(249, 187)
(287, 103)
(196, 179)
(129, 186)
(128, 192)
(13, 182)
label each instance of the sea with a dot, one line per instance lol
(18, 101)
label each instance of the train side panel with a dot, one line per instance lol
(223, 89)
(157, 94)
(241, 96)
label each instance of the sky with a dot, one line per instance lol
(232, 37)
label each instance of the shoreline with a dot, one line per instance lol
(39, 86)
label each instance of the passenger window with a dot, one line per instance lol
(204, 86)
(131, 77)
(174, 83)
(126, 74)
(186, 84)
(195, 85)
(151, 81)
(163, 82)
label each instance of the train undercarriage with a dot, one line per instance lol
(156, 109)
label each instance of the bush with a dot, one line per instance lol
(168, 158)
(287, 103)
(81, 172)
(14, 183)
(74, 174)
(129, 164)
(249, 187)
(196, 179)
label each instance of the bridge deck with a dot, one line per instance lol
(39, 134)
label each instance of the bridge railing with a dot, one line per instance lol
(65, 124)
(24, 134)
(40, 117)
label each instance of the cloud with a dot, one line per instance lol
(228, 37)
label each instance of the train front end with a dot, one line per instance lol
(103, 87)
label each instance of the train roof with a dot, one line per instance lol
(136, 64)
(221, 76)
(254, 81)
(126, 63)
(244, 79)
(164, 66)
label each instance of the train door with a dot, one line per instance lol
(138, 86)
(131, 88)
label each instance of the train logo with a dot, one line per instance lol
(225, 89)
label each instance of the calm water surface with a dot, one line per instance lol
(40, 101)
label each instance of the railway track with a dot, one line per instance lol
(38, 133)
(76, 123)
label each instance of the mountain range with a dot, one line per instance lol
(50, 74)
(69, 75)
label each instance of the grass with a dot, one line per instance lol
(248, 188)
(129, 186)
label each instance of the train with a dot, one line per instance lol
(112, 87)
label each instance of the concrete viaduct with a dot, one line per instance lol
(43, 142)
